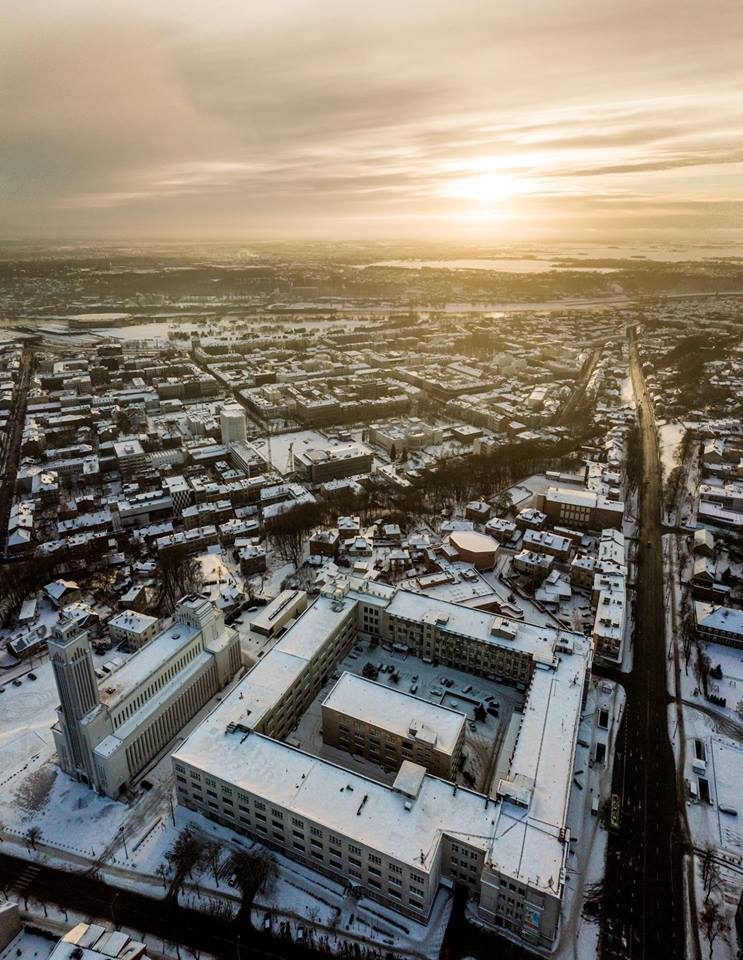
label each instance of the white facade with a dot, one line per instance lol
(105, 736)
(234, 424)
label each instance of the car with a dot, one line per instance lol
(2, 689)
(493, 711)
(16, 683)
(31, 676)
(414, 688)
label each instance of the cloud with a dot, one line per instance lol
(227, 118)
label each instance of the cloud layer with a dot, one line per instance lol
(310, 118)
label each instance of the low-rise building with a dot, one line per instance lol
(279, 612)
(719, 624)
(133, 628)
(388, 726)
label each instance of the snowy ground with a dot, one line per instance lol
(670, 436)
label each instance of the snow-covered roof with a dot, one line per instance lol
(396, 712)
(712, 617)
(339, 799)
(146, 661)
(132, 621)
(529, 638)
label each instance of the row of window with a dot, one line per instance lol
(374, 862)
(165, 677)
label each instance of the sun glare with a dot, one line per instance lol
(489, 189)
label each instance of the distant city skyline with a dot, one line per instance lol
(328, 120)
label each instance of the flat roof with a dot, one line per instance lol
(473, 542)
(397, 712)
(265, 618)
(342, 800)
(146, 661)
(132, 620)
(268, 681)
(529, 638)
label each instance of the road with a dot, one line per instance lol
(12, 446)
(644, 883)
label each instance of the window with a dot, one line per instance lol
(354, 849)
(297, 823)
(315, 832)
(335, 841)
(373, 858)
(277, 813)
(354, 861)
(259, 805)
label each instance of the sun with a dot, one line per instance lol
(485, 190)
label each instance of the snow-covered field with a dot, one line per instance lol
(670, 436)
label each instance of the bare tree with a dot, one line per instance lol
(177, 574)
(32, 837)
(253, 872)
(290, 529)
(713, 923)
(710, 872)
(187, 853)
(213, 859)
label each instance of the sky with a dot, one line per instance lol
(496, 120)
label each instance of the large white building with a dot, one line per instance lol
(105, 735)
(234, 424)
(397, 843)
